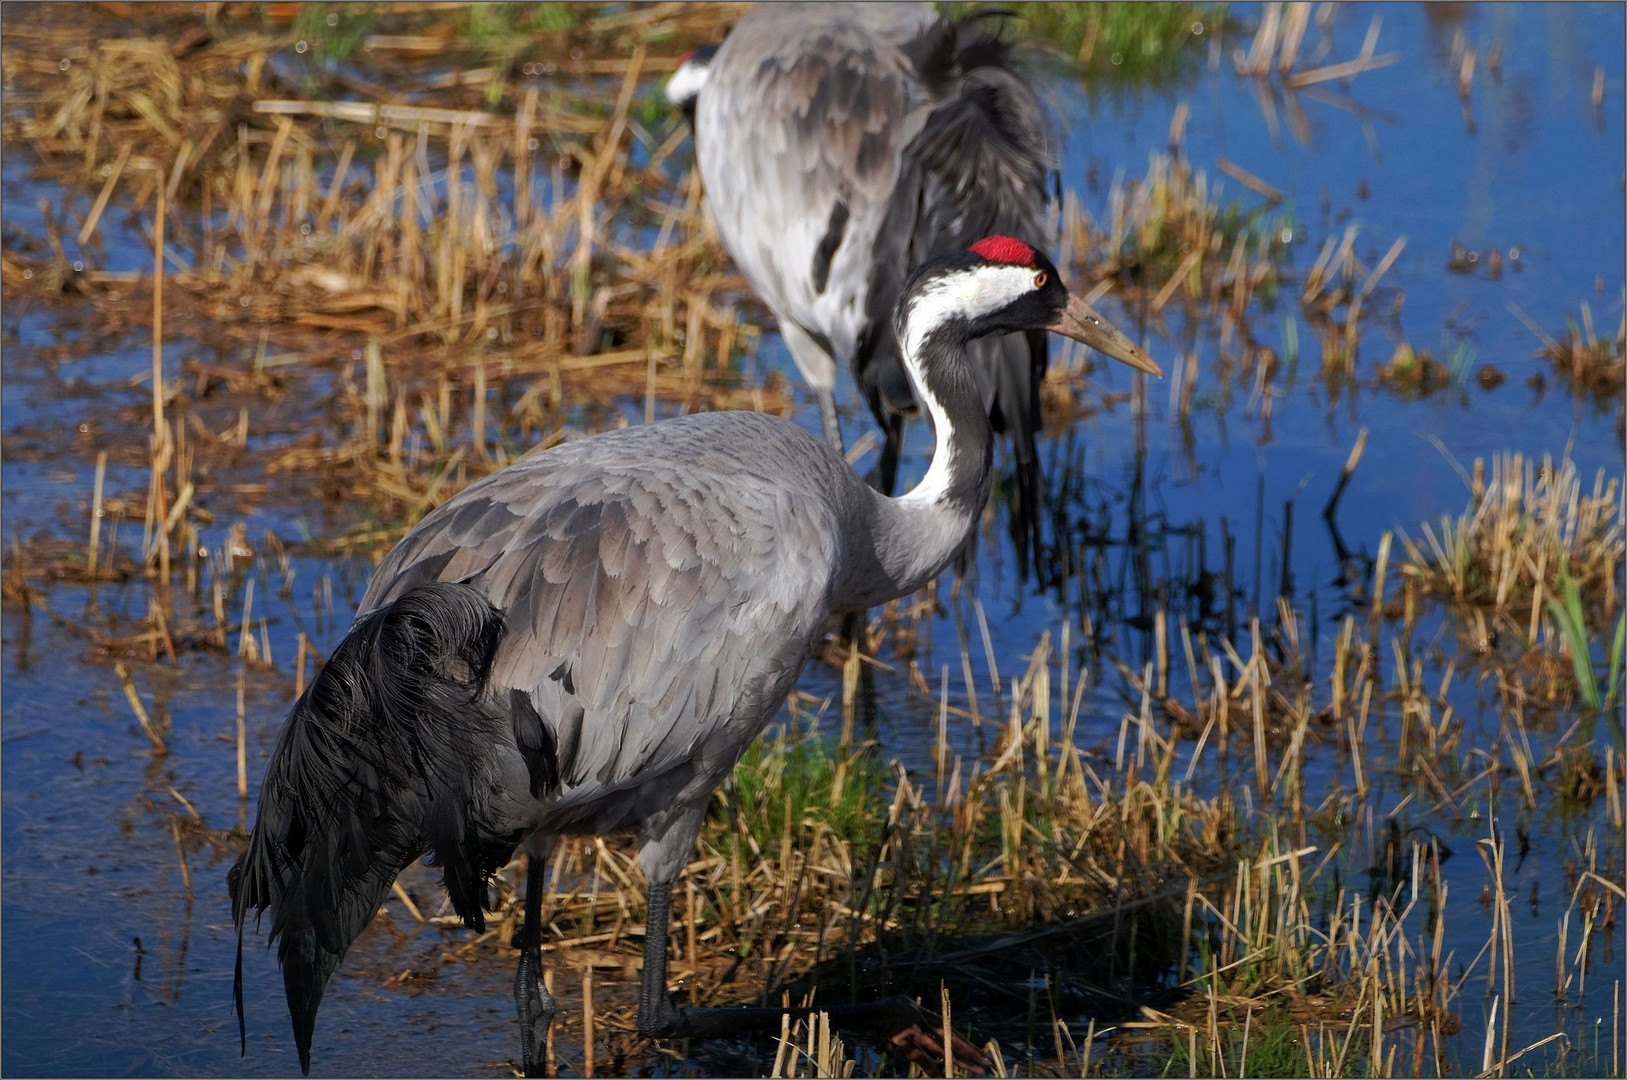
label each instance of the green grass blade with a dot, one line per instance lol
(1575, 635)
(1616, 657)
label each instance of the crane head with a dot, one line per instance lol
(684, 88)
(1002, 285)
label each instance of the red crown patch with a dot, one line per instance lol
(1004, 249)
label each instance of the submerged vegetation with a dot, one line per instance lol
(1192, 831)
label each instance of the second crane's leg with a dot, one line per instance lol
(811, 352)
(885, 476)
(531, 997)
(827, 417)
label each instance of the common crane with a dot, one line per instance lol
(839, 143)
(586, 641)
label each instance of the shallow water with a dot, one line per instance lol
(90, 860)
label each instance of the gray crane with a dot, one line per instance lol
(840, 144)
(587, 640)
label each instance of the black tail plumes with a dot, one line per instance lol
(978, 166)
(374, 769)
(1016, 372)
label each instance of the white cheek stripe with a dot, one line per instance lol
(969, 294)
(686, 82)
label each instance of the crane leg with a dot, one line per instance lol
(885, 474)
(531, 997)
(827, 417)
(657, 1016)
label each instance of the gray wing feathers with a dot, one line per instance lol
(646, 607)
(806, 108)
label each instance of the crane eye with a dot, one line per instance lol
(1040, 279)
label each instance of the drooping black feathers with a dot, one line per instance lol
(835, 229)
(373, 769)
(977, 167)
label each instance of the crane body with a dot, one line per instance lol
(841, 144)
(587, 640)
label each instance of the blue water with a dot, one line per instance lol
(90, 860)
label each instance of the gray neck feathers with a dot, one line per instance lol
(905, 542)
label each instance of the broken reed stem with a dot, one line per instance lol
(1380, 568)
(689, 921)
(550, 1066)
(1249, 180)
(245, 643)
(88, 230)
(180, 854)
(242, 738)
(587, 1021)
(161, 449)
(96, 516)
(159, 430)
(1332, 507)
(782, 1051)
(140, 710)
(406, 901)
(299, 665)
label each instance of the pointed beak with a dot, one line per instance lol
(1080, 322)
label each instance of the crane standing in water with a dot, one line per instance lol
(586, 641)
(842, 143)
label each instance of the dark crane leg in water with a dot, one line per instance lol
(884, 477)
(909, 1028)
(531, 997)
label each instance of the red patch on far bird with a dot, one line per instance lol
(1004, 249)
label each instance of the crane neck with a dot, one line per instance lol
(917, 534)
(962, 454)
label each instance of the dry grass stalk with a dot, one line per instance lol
(242, 739)
(587, 1020)
(154, 736)
(1528, 524)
